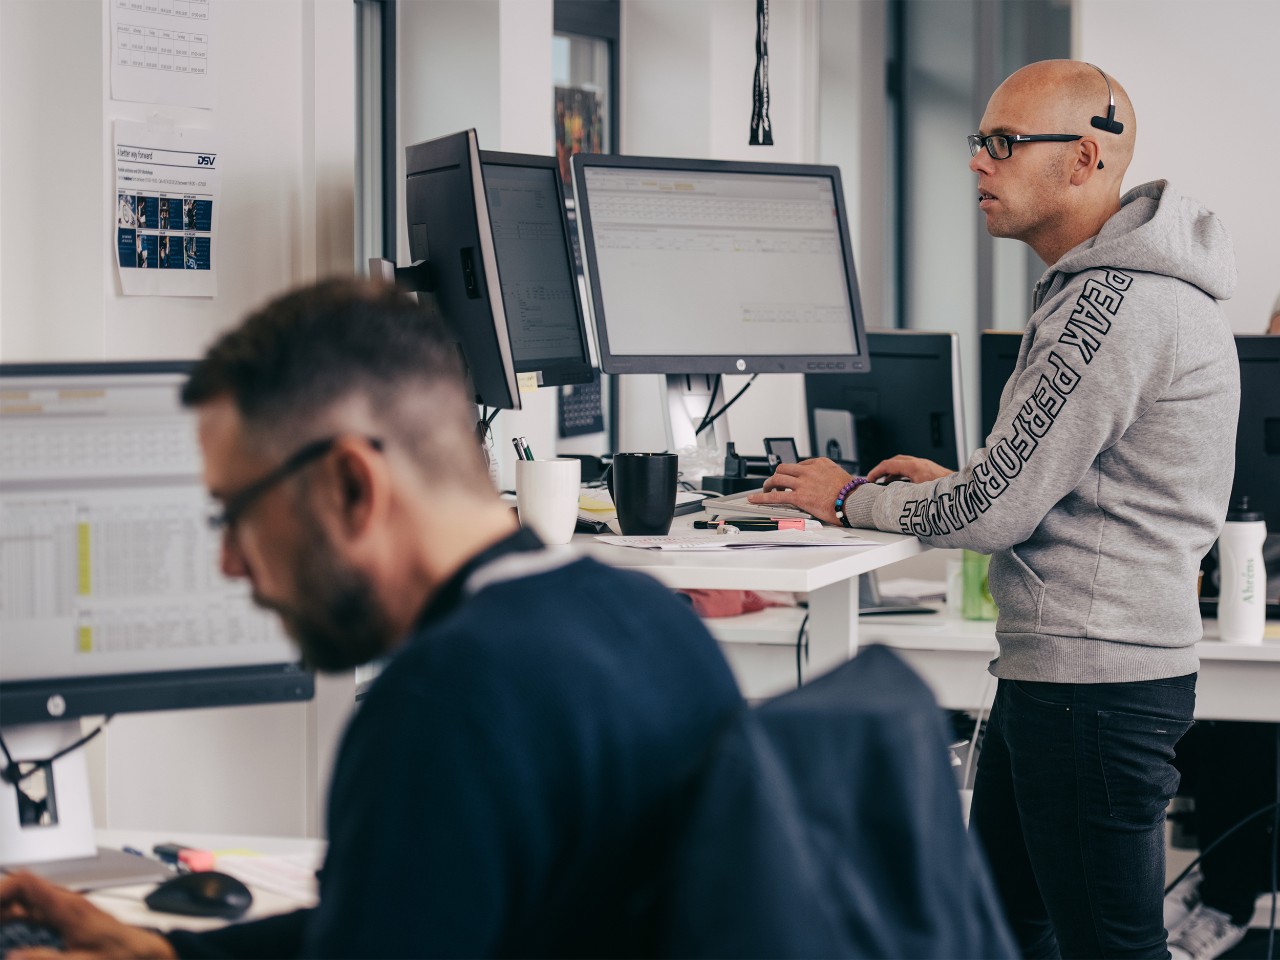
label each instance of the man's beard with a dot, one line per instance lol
(337, 622)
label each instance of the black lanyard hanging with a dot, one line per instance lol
(761, 130)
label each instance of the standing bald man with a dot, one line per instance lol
(1104, 481)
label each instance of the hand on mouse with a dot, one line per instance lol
(86, 931)
(902, 467)
(811, 485)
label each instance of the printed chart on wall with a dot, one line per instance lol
(166, 211)
(160, 52)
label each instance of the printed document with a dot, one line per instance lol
(166, 210)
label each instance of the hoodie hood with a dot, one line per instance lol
(1157, 230)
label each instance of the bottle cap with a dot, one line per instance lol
(1240, 513)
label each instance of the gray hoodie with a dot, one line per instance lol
(1107, 473)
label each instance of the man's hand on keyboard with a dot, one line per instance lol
(86, 931)
(811, 485)
(902, 467)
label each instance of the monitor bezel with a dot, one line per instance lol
(1251, 457)
(46, 699)
(920, 344)
(676, 363)
(563, 371)
(460, 153)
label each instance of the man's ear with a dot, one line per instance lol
(358, 475)
(1088, 160)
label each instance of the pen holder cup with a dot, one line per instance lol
(547, 497)
(643, 487)
(976, 602)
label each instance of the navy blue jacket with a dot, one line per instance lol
(503, 787)
(828, 824)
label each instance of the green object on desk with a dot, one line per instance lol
(976, 602)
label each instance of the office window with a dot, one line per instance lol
(946, 57)
(375, 215)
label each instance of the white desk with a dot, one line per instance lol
(828, 575)
(1236, 682)
(125, 903)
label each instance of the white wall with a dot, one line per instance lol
(284, 117)
(1204, 76)
(687, 69)
(475, 63)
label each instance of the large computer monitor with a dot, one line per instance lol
(540, 294)
(910, 402)
(703, 267)
(488, 233)
(1258, 434)
(451, 243)
(997, 357)
(111, 599)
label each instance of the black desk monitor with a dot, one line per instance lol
(499, 266)
(110, 595)
(703, 267)
(910, 402)
(540, 294)
(1258, 434)
(998, 355)
(451, 243)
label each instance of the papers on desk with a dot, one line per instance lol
(713, 542)
(291, 876)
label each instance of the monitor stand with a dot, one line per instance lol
(689, 397)
(49, 828)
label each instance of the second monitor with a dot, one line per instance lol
(910, 402)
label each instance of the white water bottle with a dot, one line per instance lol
(1242, 590)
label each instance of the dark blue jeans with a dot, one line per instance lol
(1069, 804)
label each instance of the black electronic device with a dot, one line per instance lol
(19, 934)
(781, 450)
(910, 402)
(1109, 123)
(697, 268)
(203, 894)
(536, 269)
(111, 596)
(997, 358)
(716, 266)
(1258, 432)
(493, 254)
(450, 233)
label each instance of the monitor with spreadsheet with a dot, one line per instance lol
(111, 598)
(540, 292)
(910, 402)
(490, 228)
(709, 266)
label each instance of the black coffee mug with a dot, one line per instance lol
(643, 487)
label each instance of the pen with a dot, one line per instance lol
(528, 454)
(753, 523)
(515, 442)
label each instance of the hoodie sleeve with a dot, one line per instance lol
(1102, 352)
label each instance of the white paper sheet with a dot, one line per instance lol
(161, 52)
(167, 198)
(778, 540)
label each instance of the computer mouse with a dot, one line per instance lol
(203, 894)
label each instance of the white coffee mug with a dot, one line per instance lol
(547, 496)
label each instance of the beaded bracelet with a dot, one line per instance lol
(845, 492)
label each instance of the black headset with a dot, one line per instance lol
(1109, 123)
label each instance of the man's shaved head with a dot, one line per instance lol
(1065, 95)
(1052, 195)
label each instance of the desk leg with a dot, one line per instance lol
(833, 627)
